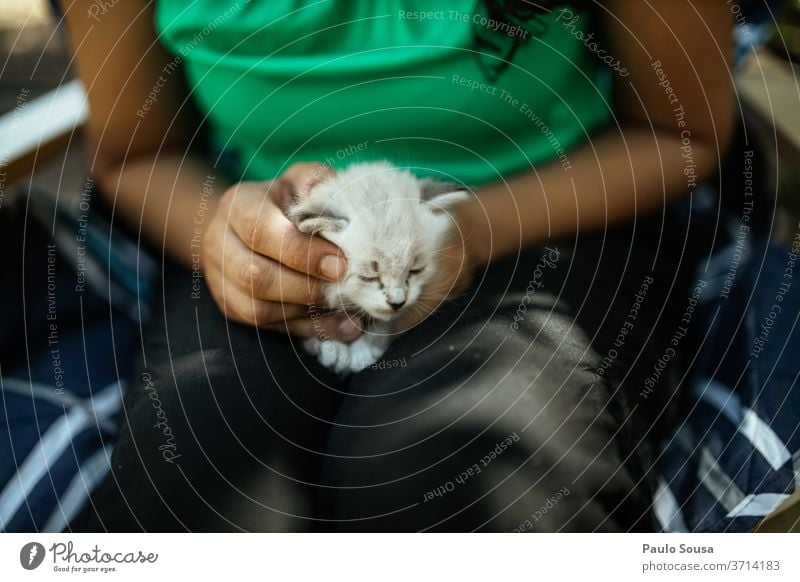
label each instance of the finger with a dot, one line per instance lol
(263, 227)
(301, 177)
(238, 305)
(334, 327)
(266, 279)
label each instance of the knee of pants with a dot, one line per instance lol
(481, 459)
(495, 482)
(201, 453)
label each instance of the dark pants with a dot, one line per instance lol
(530, 404)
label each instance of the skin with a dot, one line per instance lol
(262, 271)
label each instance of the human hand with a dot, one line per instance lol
(456, 264)
(262, 271)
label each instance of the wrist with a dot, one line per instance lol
(206, 232)
(465, 242)
(471, 225)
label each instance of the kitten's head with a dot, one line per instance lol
(390, 225)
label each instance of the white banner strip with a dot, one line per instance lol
(399, 557)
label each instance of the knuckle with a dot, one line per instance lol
(232, 310)
(258, 277)
(298, 254)
(261, 313)
(250, 273)
(244, 312)
(297, 168)
(227, 198)
(233, 197)
(250, 226)
(305, 175)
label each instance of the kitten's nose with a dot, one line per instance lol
(396, 297)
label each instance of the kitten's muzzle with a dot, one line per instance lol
(396, 297)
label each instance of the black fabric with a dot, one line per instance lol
(261, 438)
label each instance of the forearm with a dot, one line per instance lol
(612, 179)
(169, 197)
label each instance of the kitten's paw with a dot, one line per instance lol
(345, 358)
(363, 353)
(332, 354)
(313, 346)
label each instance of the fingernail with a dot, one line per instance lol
(333, 267)
(349, 330)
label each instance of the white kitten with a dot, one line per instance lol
(391, 227)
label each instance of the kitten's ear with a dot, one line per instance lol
(440, 196)
(311, 219)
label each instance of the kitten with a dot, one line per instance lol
(391, 227)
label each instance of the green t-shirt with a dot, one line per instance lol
(338, 81)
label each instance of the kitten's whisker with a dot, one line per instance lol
(421, 307)
(452, 246)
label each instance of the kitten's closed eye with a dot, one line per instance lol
(416, 271)
(369, 279)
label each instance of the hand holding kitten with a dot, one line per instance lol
(261, 270)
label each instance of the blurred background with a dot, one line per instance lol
(35, 60)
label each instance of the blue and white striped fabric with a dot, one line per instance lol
(66, 346)
(736, 455)
(67, 459)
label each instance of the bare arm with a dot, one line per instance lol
(141, 159)
(660, 149)
(258, 267)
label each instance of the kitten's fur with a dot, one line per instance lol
(391, 227)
